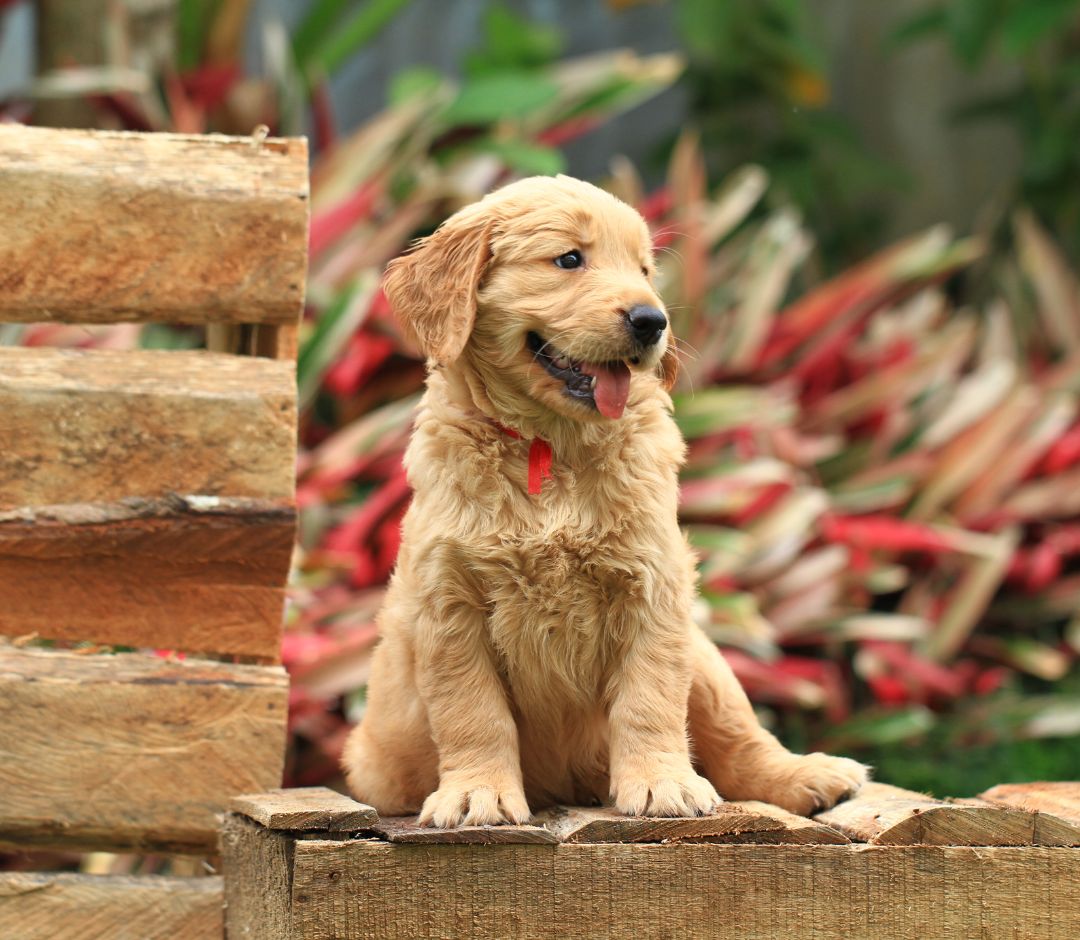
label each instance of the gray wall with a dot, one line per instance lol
(898, 100)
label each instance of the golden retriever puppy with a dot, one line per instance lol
(537, 642)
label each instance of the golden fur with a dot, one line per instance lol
(540, 648)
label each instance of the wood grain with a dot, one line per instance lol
(257, 863)
(103, 227)
(405, 829)
(883, 815)
(49, 906)
(88, 426)
(363, 889)
(132, 751)
(254, 339)
(199, 574)
(305, 808)
(1058, 799)
(732, 822)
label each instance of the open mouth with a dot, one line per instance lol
(604, 386)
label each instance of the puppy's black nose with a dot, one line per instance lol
(646, 323)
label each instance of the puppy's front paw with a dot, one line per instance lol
(674, 794)
(474, 804)
(815, 782)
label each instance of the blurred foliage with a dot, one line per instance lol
(759, 92)
(1034, 43)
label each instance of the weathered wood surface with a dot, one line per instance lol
(257, 864)
(200, 574)
(362, 888)
(305, 808)
(105, 227)
(92, 426)
(732, 822)
(883, 815)
(405, 829)
(254, 339)
(132, 751)
(51, 906)
(1058, 799)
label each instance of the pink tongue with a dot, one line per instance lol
(612, 387)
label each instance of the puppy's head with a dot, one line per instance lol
(546, 286)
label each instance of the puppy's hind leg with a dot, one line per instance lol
(743, 760)
(390, 760)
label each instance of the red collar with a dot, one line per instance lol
(539, 458)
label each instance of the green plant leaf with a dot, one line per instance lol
(193, 19)
(1030, 22)
(414, 82)
(971, 25)
(342, 43)
(318, 23)
(497, 95)
(513, 42)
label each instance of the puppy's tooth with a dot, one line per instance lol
(592, 381)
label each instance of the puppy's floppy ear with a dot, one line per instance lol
(432, 289)
(668, 368)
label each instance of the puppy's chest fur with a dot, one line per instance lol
(570, 575)
(567, 588)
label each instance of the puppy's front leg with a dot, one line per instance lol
(480, 779)
(651, 773)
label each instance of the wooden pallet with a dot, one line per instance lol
(146, 501)
(307, 864)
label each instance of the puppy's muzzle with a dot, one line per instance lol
(647, 324)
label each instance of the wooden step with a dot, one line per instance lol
(146, 498)
(104, 227)
(132, 751)
(49, 906)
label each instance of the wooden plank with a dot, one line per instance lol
(276, 342)
(744, 822)
(356, 889)
(254, 339)
(94, 907)
(883, 815)
(200, 574)
(305, 808)
(1058, 799)
(257, 863)
(89, 426)
(103, 227)
(405, 829)
(132, 751)
(1047, 829)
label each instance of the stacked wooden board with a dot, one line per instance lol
(306, 864)
(146, 503)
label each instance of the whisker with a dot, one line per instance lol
(680, 356)
(674, 252)
(550, 342)
(689, 346)
(670, 229)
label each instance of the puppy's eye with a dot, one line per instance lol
(645, 270)
(572, 259)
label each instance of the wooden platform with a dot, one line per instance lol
(888, 864)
